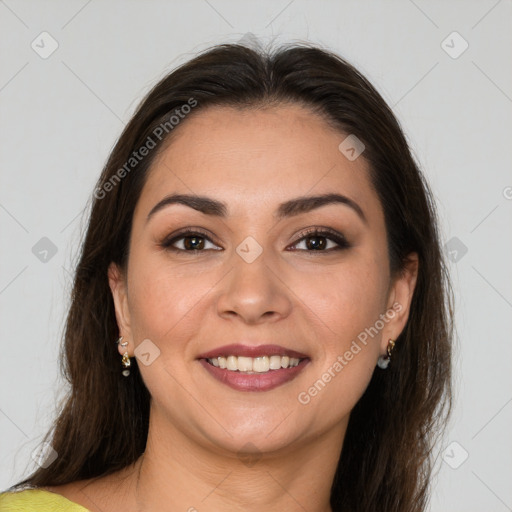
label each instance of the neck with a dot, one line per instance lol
(176, 473)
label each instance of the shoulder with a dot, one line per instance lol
(98, 494)
(30, 500)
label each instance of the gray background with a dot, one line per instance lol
(61, 115)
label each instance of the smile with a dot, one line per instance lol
(247, 368)
(254, 364)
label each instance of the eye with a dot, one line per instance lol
(317, 240)
(188, 240)
(314, 240)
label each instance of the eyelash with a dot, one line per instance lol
(327, 233)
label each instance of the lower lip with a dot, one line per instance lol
(254, 381)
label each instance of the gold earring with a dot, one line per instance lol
(383, 361)
(126, 360)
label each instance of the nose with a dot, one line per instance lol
(254, 292)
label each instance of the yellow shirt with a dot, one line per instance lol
(32, 500)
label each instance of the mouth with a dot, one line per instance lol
(247, 368)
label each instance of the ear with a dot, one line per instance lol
(399, 300)
(118, 287)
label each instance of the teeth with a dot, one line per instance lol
(274, 363)
(245, 364)
(254, 364)
(260, 364)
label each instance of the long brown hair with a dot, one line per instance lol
(387, 458)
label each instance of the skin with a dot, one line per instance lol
(209, 446)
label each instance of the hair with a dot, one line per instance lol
(387, 458)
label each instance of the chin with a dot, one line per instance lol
(259, 432)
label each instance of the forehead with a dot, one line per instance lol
(251, 158)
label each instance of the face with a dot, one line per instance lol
(262, 279)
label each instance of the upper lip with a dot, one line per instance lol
(251, 351)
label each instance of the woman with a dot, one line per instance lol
(261, 317)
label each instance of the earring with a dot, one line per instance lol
(383, 361)
(126, 360)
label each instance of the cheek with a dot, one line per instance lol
(345, 300)
(347, 303)
(348, 345)
(163, 300)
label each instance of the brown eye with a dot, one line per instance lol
(189, 241)
(315, 243)
(322, 241)
(193, 242)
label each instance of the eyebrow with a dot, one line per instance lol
(210, 206)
